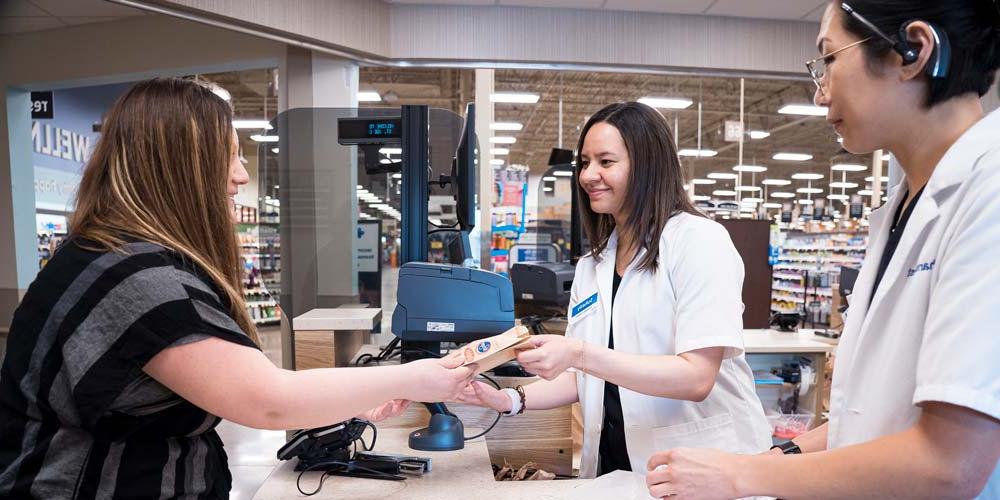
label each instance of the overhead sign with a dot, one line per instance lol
(734, 131)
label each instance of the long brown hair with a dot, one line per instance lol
(160, 173)
(655, 189)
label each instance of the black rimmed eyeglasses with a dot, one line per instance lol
(817, 67)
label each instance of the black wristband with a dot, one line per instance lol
(788, 448)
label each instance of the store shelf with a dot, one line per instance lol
(795, 277)
(265, 303)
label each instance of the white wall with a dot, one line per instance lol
(497, 34)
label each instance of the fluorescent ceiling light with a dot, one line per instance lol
(274, 150)
(514, 126)
(547, 189)
(496, 161)
(249, 123)
(848, 167)
(722, 176)
(866, 192)
(700, 197)
(701, 153)
(667, 102)
(264, 138)
(502, 139)
(781, 194)
(563, 173)
(391, 151)
(514, 97)
(385, 161)
(397, 175)
(724, 192)
(369, 96)
(748, 189)
(776, 182)
(807, 177)
(871, 178)
(771, 205)
(499, 151)
(805, 202)
(838, 197)
(809, 190)
(803, 109)
(759, 134)
(549, 178)
(843, 185)
(751, 201)
(792, 156)
(750, 168)
(702, 182)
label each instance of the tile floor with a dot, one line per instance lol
(252, 452)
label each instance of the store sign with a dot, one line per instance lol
(59, 142)
(734, 131)
(367, 255)
(41, 105)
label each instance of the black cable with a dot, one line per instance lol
(495, 421)
(326, 474)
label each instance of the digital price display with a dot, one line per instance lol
(354, 131)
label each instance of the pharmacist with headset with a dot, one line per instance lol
(915, 403)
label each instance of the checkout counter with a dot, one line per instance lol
(547, 438)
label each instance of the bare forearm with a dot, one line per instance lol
(312, 398)
(905, 465)
(662, 376)
(548, 394)
(812, 441)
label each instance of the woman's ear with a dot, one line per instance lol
(921, 38)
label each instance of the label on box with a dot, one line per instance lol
(434, 326)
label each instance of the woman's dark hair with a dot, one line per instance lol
(972, 26)
(655, 189)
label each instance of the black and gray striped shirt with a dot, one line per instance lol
(78, 416)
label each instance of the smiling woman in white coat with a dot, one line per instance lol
(654, 347)
(915, 401)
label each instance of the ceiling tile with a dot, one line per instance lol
(85, 8)
(20, 8)
(86, 20)
(10, 25)
(768, 9)
(665, 6)
(445, 2)
(561, 4)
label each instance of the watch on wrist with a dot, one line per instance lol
(788, 448)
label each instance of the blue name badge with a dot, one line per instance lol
(582, 307)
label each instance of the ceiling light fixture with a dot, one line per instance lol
(514, 97)
(512, 126)
(803, 110)
(699, 153)
(369, 96)
(667, 102)
(792, 157)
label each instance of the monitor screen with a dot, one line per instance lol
(464, 172)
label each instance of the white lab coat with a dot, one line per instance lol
(932, 331)
(692, 301)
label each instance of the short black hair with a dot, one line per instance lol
(972, 26)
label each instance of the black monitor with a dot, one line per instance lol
(560, 156)
(463, 175)
(459, 248)
(848, 276)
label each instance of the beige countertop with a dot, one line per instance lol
(775, 342)
(461, 474)
(344, 318)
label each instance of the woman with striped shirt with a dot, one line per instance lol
(134, 341)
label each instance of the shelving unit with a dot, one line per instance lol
(807, 273)
(508, 219)
(260, 250)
